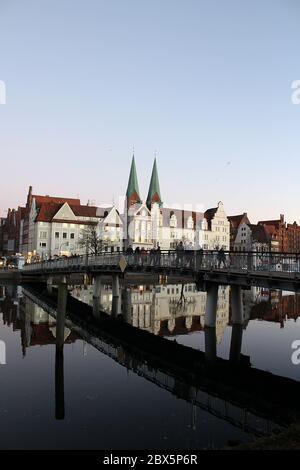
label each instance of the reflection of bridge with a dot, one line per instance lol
(248, 398)
(265, 269)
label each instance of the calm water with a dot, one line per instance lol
(110, 406)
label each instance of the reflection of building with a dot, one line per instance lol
(165, 310)
(36, 326)
(277, 307)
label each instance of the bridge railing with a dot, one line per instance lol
(188, 260)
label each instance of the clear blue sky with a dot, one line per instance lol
(206, 83)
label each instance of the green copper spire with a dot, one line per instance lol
(154, 190)
(133, 192)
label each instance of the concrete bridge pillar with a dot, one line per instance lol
(59, 384)
(237, 305)
(116, 296)
(210, 336)
(97, 296)
(127, 304)
(236, 343)
(50, 285)
(61, 312)
(211, 306)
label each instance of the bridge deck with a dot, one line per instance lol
(273, 270)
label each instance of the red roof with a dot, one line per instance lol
(84, 211)
(209, 215)
(56, 200)
(48, 210)
(236, 220)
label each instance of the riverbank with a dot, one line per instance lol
(286, 440)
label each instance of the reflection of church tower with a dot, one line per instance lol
(154, 189)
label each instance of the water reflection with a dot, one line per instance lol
(174, 312)
(164, 310)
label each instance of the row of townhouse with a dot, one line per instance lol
(267, 235)
(49, 226)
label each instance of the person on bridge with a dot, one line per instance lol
(129, 250)
(179, 254)
(157, 255)
(143, 255)
(189, 256)
(221, 258)
(199, 258)
(152, 257)
(137, 255)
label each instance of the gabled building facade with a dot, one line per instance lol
(150, 224)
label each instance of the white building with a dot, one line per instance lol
(54, 226)
(251, 237)
(147, 224)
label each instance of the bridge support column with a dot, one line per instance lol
(211, 306)
(237, 305)
(127, 305)
(116, 297)
(59, 384)
(97, 296)
(210, 336)
(236, 343)
(61, 313)
(50, 285)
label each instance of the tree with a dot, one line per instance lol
(90, 240)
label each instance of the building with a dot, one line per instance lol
(235, 222)
(293, 235)
(48, 226)
(10, 232)
(250, 237)
(53, 226)
(277, 231)
(149, 223)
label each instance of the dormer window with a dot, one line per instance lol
(190, 223)
(173, 220)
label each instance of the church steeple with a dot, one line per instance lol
(133, 192)
(154, 189)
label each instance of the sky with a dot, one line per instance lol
(206, 84)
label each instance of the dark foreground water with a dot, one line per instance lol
(95, 402)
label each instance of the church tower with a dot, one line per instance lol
(154, 195)
(133, 192)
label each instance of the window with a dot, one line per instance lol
(173, 220)
(72, 236)
(43, 245)
(190, 223)
(43, 235)
(65, 235)
(56, 234)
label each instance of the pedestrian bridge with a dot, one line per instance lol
(265, 269)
